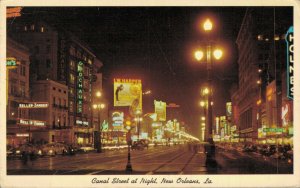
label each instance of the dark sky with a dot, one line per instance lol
(155, 44)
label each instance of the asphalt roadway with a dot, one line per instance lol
(166, 160)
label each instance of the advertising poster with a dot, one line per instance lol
(128, 92)
(160, 109)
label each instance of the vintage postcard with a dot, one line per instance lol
(149, 94)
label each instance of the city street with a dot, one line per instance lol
(155, 160)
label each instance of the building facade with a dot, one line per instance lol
(17, 91)
(55, 116)
(58, 55)
(258, 99)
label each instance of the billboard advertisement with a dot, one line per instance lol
(160, 110)
(128, 92)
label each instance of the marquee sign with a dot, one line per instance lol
(34, 105)
(32, 122)
(79, 86)
(79, 122)
(290, 62)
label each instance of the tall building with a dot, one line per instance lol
(59, 56)
(261, 60)
(55, 116)
(17, 91)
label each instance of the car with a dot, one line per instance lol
(86, 149)
(140, 145)
(53, 149)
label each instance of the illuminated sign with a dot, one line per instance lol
(273, 130)
(104, 125)
(34, 105)
(160, 110)
(228, 109)
(290, 62)
(13, 12)
(32, 122)
(217, 125)
(22, 135)
(79, 122)
(11, 63)
(128, 92)
(117, 119)
(285, 114)
(79, 86)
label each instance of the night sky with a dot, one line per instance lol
(156, 44)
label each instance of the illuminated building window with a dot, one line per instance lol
(42, 29)
(32, 27)
(71, 106)
(72, 78)
(89, 61)
(72, 65)
(276, 37)
(260, 37)
(25, 28)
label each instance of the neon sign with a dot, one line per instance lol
(32, 122)
(290, 62)
(34, 105)
(80, 87)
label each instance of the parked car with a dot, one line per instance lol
(86, 149)
(53, 149)
(140, 145)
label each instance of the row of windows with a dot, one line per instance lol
(59, 90)
(32, 27)
(277, 37)
(59, 101)
(79, 54)
(21, 70)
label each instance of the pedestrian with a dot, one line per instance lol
(24, 157)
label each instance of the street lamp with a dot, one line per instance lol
(210, 54)
(199, 55)
(128, 138)
(138, 119)
(98, 140)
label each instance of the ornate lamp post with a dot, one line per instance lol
(208, 54)
(128, 138)
(98, 138)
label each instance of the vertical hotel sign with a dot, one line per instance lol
(290, 62)
(79, 86)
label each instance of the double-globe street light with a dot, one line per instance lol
(199, 56)
(98, 133)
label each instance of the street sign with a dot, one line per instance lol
(273, 130)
